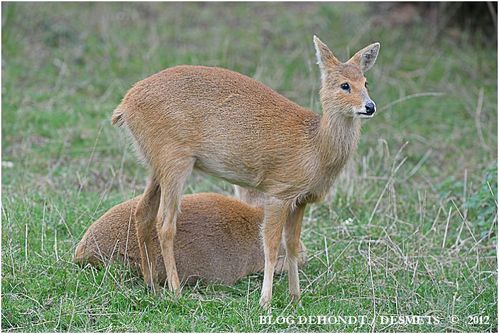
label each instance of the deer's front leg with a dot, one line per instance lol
(275, 215)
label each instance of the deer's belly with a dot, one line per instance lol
(231, 172)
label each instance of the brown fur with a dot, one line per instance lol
(217, 240)
(236, 128)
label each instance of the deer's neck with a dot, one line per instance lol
(337, 139)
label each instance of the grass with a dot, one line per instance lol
(409, 229)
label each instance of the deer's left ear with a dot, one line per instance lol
(366, 57)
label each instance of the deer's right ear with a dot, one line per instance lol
(325, 57)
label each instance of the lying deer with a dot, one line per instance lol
(233, 127)
(218, 240)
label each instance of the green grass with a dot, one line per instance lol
(409, 229)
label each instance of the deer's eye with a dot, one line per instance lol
(366, 84)
(345, 86)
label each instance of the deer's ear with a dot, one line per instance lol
(366, 57)
(325, 58)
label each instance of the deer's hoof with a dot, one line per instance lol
(265, 302)
(295, 297)
(152, 286)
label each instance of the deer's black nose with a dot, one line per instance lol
(370, 108)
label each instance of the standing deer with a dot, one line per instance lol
(233, 127)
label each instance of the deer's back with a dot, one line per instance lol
(236, 127)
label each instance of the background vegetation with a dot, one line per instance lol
(410, 228)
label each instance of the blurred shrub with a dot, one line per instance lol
(482, 205)
(472, 17)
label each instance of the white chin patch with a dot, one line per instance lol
(361, 113)
(364, 115)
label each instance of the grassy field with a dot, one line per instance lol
(409, 229)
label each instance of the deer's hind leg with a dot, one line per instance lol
(145, 224)
(172, 182)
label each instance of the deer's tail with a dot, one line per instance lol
(117, 118)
